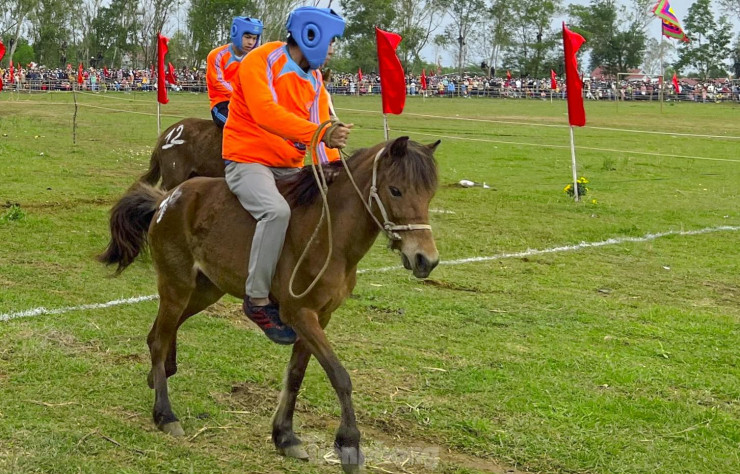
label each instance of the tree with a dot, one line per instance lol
(50, 27)
(732, 6)
(465, 16)
(495, 31)
(651, 59)
(359, 35)
(709, 46)
(532, 39)
(420, 19)
(614, 36)
(736, 58)
(14, 15)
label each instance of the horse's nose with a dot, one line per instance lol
(424, 265)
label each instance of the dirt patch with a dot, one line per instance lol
(390, 444)
(450, 286)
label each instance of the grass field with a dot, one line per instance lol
(621, 357)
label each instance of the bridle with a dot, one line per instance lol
(388, 227)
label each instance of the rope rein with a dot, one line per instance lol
(389, 228)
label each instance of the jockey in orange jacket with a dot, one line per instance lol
(276, 107)
(223, 63)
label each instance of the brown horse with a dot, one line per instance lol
(189, 148)
(198, 236)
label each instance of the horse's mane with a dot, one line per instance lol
(415, 166)
(300, 189)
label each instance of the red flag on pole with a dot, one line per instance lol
(571, 43)
(80, 79)
(12, 72)
(161, 51)
(359, 74)
(2, 50)
(105, 71)
(676, 86)
(393, 83)
(423, 79)
(508, 74)
(170, 74)
(553, 80)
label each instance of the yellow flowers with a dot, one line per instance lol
(582, 189)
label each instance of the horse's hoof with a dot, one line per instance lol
(295, 451)
(173, 428)
(351, 459)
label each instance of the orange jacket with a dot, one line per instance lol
(274, 111)
(222, 65)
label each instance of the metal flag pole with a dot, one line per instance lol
(573, 158)
(159, 119)
(385, 127)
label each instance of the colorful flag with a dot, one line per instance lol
(553, 80)
(671, 30)
(170, 74)
(671, 25)
(12, 72)
(676, 86)
(423, 79)
(161, 51)
(571, 44)
(393, 82)
(80, 79)
(359, 73)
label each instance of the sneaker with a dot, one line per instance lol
(268, 319)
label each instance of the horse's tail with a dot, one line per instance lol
(155, 172)
(129, 225)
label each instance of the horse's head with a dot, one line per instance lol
(406, 183)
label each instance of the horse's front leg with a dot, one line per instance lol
(286, 442)
(347, 440)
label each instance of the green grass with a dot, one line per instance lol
(620, 358)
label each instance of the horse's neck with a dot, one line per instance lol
(354, 229)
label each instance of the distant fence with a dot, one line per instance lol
(446, 91)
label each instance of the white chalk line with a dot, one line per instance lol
(527, 253)
(511, 122)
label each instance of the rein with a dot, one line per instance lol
(389, 228)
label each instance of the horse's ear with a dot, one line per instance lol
(399, 147)
(433, 146)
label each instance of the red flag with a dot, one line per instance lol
(423, 79)
(80, 79)
(393, 82)
(571, 43)
(359, 74)
(676, 86)
(161, 51)
(105, 71)
(508, 74)
(170, 74)
(553, 80)
(2, 50)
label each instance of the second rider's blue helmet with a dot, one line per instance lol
(243, 25)
(313, 30)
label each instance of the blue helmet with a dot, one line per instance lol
(313, 29)
(243, 25)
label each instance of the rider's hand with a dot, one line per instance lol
(336, 136)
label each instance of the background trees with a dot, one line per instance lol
(473, 36)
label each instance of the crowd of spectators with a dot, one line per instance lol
(35, 78)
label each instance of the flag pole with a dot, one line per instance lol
(385, 127)
(159, 120)
(662, 73)
(573, 165)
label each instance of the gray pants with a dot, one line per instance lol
(254, 185)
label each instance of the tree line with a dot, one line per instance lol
(482, 35)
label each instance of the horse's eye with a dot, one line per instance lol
(395, 191)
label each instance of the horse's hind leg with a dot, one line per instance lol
(286, 442)
(162, 342)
